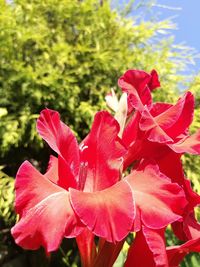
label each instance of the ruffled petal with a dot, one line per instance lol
(190, 144)
(160, 201)
(61, 139)
(108, 213)
(184, 108)
(135, 83)
(46, 215)
(177, 118)
(171, 122)
(154, 132)
(154, 81)
(101, 154)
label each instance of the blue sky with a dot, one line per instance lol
(187, 20)
(186, 15)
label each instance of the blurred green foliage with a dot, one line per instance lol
(66, 55)
(6, 198)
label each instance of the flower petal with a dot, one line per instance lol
(191, 145)
(121, 114)
(46, 215)
(154, 82)
(159, 201)
(177, 253)
(112, 100)
(185, 109)
(108, 213)
(153, 130)
(130, 133)
(159, 108)
(177, 118)
(168, 157)
(187, 229)
(101, 153)
(148, 249)
(52, 170)
(61, 139)
(171, 122)
(135, 83)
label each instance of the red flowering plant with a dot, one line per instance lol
(125, 176)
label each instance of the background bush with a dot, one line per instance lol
(66, 55)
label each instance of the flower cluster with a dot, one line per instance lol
(125, 176)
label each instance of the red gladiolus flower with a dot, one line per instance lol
(48, 204)
(84, 192)
(86, 180)
(154, 132)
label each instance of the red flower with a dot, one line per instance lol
(46, 203)
(151, 130)
(84, 192)
(84, 185)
